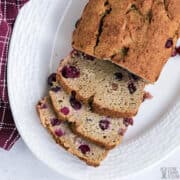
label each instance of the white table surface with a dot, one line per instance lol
(20, 164)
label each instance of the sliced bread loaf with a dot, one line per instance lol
(136, 34)
(83, 149)
(103, 130)
(109, 89)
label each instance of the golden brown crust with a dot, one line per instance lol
(112, 113)
(150, 60)
(94, 9)
(173, 9)
(121, 28)
(141, 26)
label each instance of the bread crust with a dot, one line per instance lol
(141, 26)
(66, 147)
(94, 9)
(112, 113)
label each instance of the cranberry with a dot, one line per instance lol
(178, 50)
(55, 122)
(74, 53)
(147, 95)
(65, 110)
(84, 148)
(44, 106)
(169, 43)
(70, 72)
(55, 88)
(51, 79)
(128, 121)
(131, 87)
(74, 103)
(174, 53)
(118, 76)
(122, 131)
(59, 132)
(104, 124)
(73, 94)
(134, 77)
(114, 86)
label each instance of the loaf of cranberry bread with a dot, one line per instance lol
(138, 35)
(103, 130)
(62, 134)
(109, 89)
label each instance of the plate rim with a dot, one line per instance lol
(16, 122)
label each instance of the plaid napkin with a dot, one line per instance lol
(8, 13)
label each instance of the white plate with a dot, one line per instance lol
(155, 133)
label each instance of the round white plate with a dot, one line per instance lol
(156, 131)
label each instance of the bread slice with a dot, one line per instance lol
(138, 35)
(111, 90)
(83, 149)
(103, 130)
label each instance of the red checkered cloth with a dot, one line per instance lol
(8, 13)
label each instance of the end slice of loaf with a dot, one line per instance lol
(103, 130)
(62, 134)
(138, 35)
(111, 90)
